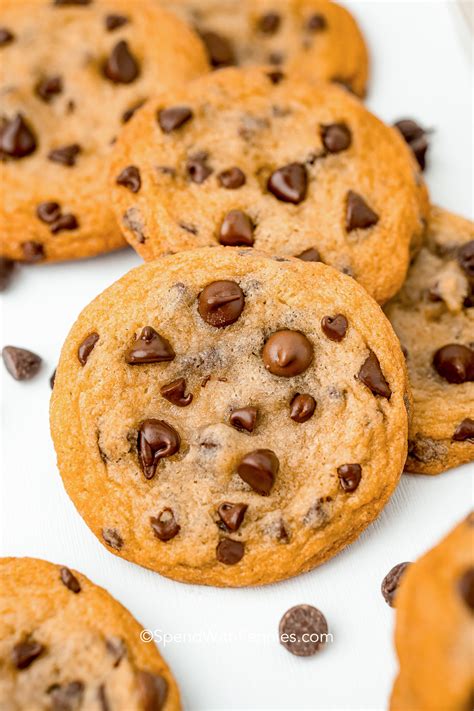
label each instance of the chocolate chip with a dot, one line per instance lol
(165, 527)
(66, 697)
(464, 431)
(173, 118)
(334, 327)
(113, 538)
(237, 230)
(156, 440)
(309, 255)
(372, 376)
(358, 214)
(244, 419)
(302, 407)
(232, 515)
(415, 136)
(25, 653)
(466, 258)
(466, 588)
(150, 347)
(349, 476)
(17, 139)
(127, 115)
(232, 178)
(197, 168)
(276, 76)
(66, 155)
(116, 648)
(220, 303)
(290, 183)
(20, 363)
(219, 49)
(113, 22)
(130, 178)
(121, 66)
(303, 630)
(49, 87)
(6, 37)
(336, 137)
(152, 691)
(229, 552)
(455, 363)
(269, 23)
(32, 251)
(86, 347)
(69, 580)
(48, 212)
(258, 469)
(133, 221)
(316, 23)
(64, 222)
(175, 392)
(287, 353)
(7, 267)
(52, 379)
(102, 698)
(391, 583)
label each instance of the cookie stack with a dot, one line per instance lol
(240, 405)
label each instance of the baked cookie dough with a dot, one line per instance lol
(314, 39)
(240, 418)
(66, 644)
(433, 315)
(434, 634)
(71, 72)
(287, 167)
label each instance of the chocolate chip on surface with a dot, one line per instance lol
(466, 588)
(455, 363)
(26, 652)
(358, 213)
(156, 440)
(165, 527)
(465, 257)
(349, 476)
(86, 347)
(69, 580)
(130, 178)
(49, 87)
(67, 697)
(17, 139)
(229, 552)
(244, 418)
(309, 255)
(121, 66)
(6, 36)
(258, 469)
(415, 137)
(290, 183)
(303, 630)
(237, 230)
(232, 515)
(232, 178)
(334, 327)
(221, 303)
(392, 581)
(197, 168)
(20, 363)
(150, 347)
(66, 155)
(113, 22)
(174, 117)
(64, 222)
(152, 691)
(32, 251)
(113, 538)
(336, 137)
(302, 407)
(269, 23)
(464, 431)
(129, 113)
(372, 376)
(219, 49)
(287, 353)
(316, 22)
(175, 392)
(48, 212)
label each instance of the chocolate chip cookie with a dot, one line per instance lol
(240, 418)
(246, 157)
(71, 73)
(315, 39)
(433, 315)
(434, 633)
(66, 644)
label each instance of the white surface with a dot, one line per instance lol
(420, 69)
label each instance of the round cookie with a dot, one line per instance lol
(313, 39)
(63, 100)
(434, 634)
(66, 644)
(288, 167)
(433, 316)
(237, 424)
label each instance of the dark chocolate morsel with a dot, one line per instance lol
(259, 469)
(229, 552)
(156, 440)
(86, 347)
(150, 347)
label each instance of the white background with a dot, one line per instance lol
(420, 61)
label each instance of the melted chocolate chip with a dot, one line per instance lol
(232, 515)
(237, 230)
(20, 363)
(221, 303)
(17, 139)
(372, 376)
(86, 347)
(7, 267)
(197, 168)
(415, 136)
(156, 440)
(290, 183)
(113, 22)
(287, 353)
(455, 363)
(302, 407)
(67, 697)
(175, 392)
(49, 87)
(358, 214)
(258, 469)
(127, 115)
(466, 258)
(244, 418)
(309, 255)
(232, 178)
(464, 431)
(130, 178)
(150, 347)
(349, 476)
(466, 588)
(316, 23)
(152, 691)
(6, 37)
(303, 630)
(391, 583)
(113, 538)
(334, 327)
(121, 66)
(219, 49)
(69, 580)
(64, 222)
(276, 76)
(32, 252)
(48, 212)
(269, 23)
(165, 527)
(229, 552)
(336, 137)
(173, 118)
(25, 653)
(66, 155)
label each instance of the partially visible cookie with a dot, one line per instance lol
(70, 74)
(240, 418)
(66, 644)
(433, 315)
(314, 39)
(434, 634)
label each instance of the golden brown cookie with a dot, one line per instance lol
(313, 39)
(288, 167)
(240, 418)
(433, 315)
(70, 75)
(434, 633)
(66, 644)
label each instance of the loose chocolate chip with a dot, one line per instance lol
(66, 155)
(316, 23)
(113, 22)
(287, 353)
(6, 37)
(466, 258)
(150, 347)
(113, 538)
(49, 87)
(372, 376)
(455, 363)
(48, 212)
(25, 653)
(127, 115)
(219, 49)
(152, 691)
(102, 698)
(130, 178)
(64, 222)
(121, 66)
(290, 183)
(20, 363)
(415, 136)
(173, 118)
(156, 440)
(52, 379)
(391, 583)
(229, 552)
(464, 431)
(70, 580)
(244, 419)
(175, 392)
(303, 630)
(309, 255)
(197, 168)
(349, 476)
(232, 515)
(220, 303)
(165, 527)
(86, 347)
(116, 648)
(17, 139)
(276, 76)
(259, 469)
(466, 588)
(67, 697)
(358, 214)
(7, 267)
(336, 137)
(334, 327)
(32, 252)
(237, 230)
(232, 178)
(302, 407)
